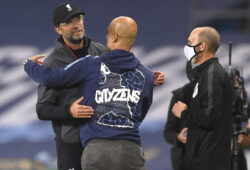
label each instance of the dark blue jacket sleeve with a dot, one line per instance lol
(67, 76)
(148, 97)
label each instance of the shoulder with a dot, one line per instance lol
(97, 48)
(146, 70)
(50, 60)
(97, 45)
(147, 74)
(58, 57)
(217, 75)
(218, 71)
(87, 58)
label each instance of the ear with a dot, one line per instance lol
(203, 46)
(58, 30)
(115, 39)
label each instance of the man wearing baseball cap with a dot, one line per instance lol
(62, 106)
(64, 12)
(54, 104)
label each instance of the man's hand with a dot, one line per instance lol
(182, 135)
(244, 140)
(36, 58)
(240, 138)
(240, 141)
(178, 108)
(248, 125)
(159, 78)
(81, 111)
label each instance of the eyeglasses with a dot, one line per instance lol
(72, 21)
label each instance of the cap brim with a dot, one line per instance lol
(72, 15)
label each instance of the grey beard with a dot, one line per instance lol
(75, 41)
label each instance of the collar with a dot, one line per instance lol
(198, 70)
(86, 40)
(76, 53)
(206, 64)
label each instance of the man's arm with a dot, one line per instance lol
(47, 107)
(56, 77)
(148, 98)
(171, 130)
(210, 104)
(173, 133)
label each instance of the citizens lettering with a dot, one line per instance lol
(105, 95)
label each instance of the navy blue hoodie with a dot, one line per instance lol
(116, 85)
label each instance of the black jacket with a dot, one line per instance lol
(209, 119)
(54, 104)
(174, 126)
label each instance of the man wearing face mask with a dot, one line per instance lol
(209, 116)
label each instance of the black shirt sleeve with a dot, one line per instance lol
(172, 125)
(46, 106)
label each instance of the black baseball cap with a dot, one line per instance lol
(64, 12)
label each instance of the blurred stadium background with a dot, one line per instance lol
(164, 25)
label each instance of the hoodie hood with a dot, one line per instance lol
(120, 60)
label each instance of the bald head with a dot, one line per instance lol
(122, 31)
(210, 36)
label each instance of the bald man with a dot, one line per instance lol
(209, 116)
(119, 89)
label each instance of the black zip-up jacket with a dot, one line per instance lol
(54, 104)
(209, 119)
(174, 126)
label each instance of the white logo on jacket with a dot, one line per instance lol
(195, 90)
(115, 94)
(117, 97)
(105, 95)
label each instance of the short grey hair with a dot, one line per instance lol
(211, 37)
